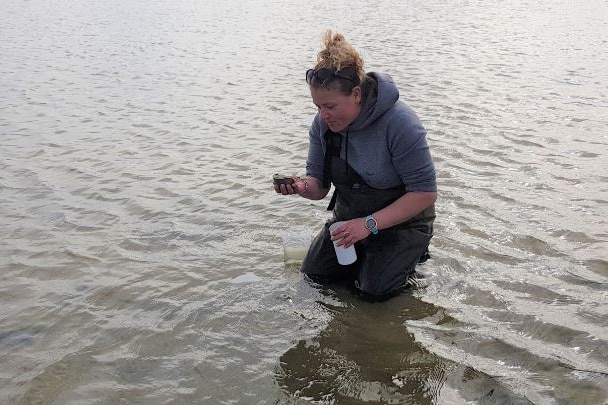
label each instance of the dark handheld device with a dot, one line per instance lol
(281, 179)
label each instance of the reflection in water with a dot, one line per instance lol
(366, 354)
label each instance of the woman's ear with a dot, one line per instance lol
(357, 94)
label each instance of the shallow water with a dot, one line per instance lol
(142, 259)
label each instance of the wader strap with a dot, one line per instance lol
(333, 142)
(332, 202)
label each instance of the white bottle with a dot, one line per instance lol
(345, 256)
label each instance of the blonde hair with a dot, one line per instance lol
(340, 55)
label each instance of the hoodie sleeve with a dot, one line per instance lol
(410, 152)
(314, 163)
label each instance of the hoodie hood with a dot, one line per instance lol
(382, 97)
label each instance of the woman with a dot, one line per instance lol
(373, 148)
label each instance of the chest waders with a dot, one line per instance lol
(384, 261)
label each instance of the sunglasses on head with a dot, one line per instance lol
(325, 76)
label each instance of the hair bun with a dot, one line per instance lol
(338, 54)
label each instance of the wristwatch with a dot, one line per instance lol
(371, 224)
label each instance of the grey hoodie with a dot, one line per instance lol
(386, 143)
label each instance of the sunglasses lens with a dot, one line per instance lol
(310, 74)
(324, 75)
(320, 76)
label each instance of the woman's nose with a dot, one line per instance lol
(324, 114)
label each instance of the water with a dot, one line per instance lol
(141, 259)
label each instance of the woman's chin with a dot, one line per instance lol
(336, 127)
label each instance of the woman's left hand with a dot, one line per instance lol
(350, 232)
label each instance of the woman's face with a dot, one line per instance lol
(336, 109)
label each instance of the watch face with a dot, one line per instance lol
(370, 223)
